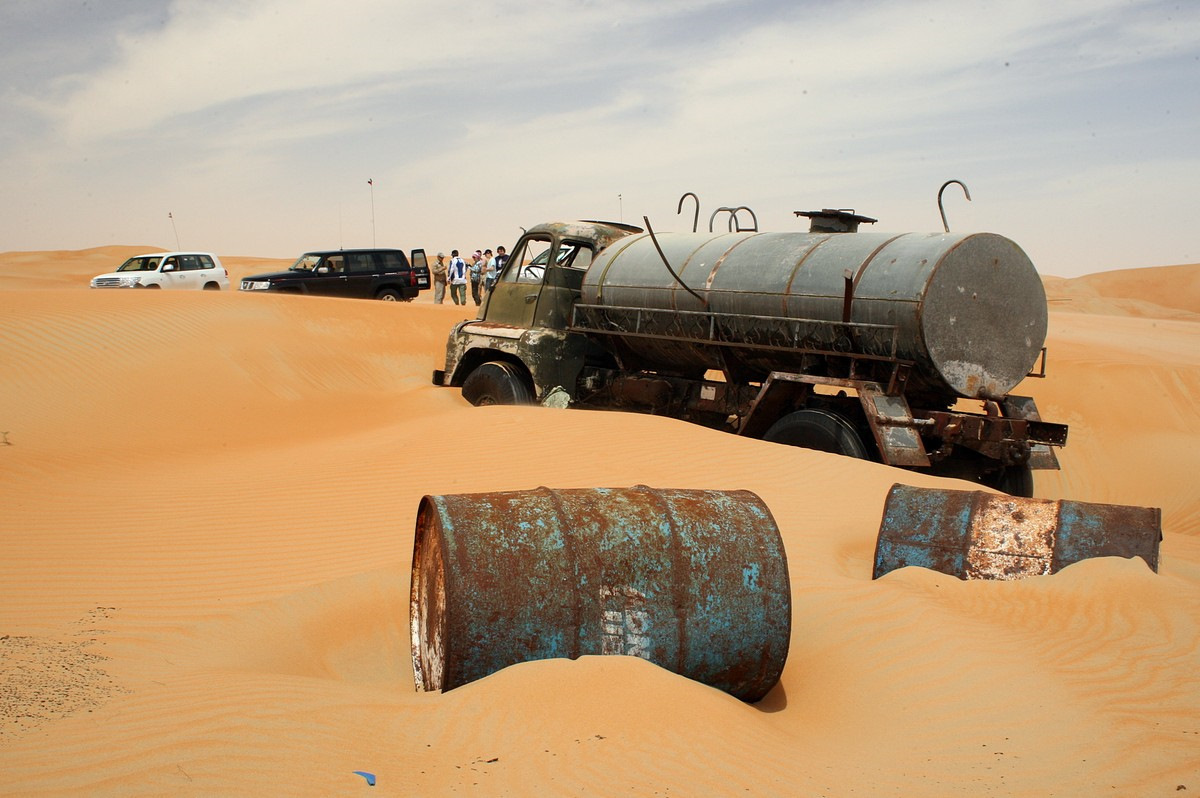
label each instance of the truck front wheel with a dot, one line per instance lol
(497, 383)
(813, 428)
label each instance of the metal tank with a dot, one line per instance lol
(968, 309)
(695, 581)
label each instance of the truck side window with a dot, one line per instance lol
(574, 256)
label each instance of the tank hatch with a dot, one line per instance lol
(831, 220)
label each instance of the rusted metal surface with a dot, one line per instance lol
(695, 581)
(980, 535)
(968, 309)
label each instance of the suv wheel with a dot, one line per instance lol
(388, 295)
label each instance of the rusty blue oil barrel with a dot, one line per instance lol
(695, 581)
(981, 535)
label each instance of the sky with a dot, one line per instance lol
(270, 127)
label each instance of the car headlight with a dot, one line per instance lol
(129, 282)
(255, 285)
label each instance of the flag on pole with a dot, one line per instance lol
(370, 182)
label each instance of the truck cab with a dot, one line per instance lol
(523, 323)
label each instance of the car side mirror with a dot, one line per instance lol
(322, 270)
(170, 267)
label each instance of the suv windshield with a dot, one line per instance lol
(139, 265)
(305, 263)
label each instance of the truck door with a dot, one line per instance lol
(562, 285)
(514, 298)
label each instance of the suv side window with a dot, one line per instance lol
(189, 263)
(205, 262)
(359, 262)
(393, 261)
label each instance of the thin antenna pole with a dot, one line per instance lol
(171, 216)
(620, 209)
(371, 183)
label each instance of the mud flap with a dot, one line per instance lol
(893, 426)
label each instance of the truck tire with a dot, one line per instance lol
(1015, 480)
(388, 295)
(497, 383)
(813, 428)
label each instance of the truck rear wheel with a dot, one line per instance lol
(813, 428)
(1015, 480)
(497, 383)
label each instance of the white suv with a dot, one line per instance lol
(197, 270)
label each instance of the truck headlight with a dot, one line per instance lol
(255, 285)
(130, 281)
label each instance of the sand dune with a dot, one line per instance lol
(208, 526)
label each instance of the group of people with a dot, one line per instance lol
(481, 274)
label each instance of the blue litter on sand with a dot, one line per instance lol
(370, 777)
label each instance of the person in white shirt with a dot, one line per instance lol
(457, 276)
(489, 271)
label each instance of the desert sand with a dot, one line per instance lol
(207, 511)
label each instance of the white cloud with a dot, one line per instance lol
(481, 119)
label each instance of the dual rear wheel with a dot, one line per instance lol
(823, 430)
(827, 431)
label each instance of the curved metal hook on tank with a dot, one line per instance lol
(696, 215)
(741, 229)
(731, 211)
(667, 263)
(966, 191)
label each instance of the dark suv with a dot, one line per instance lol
(361, 273)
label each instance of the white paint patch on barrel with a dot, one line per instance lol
(625, 620)
(1011, 539)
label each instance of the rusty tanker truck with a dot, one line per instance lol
(898, 348)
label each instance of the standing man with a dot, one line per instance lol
(439, 279)
(501, 259)
(457, 274)
(495, 266)
(476, 269)
(489, 271)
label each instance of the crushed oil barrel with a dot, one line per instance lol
(981, 535)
